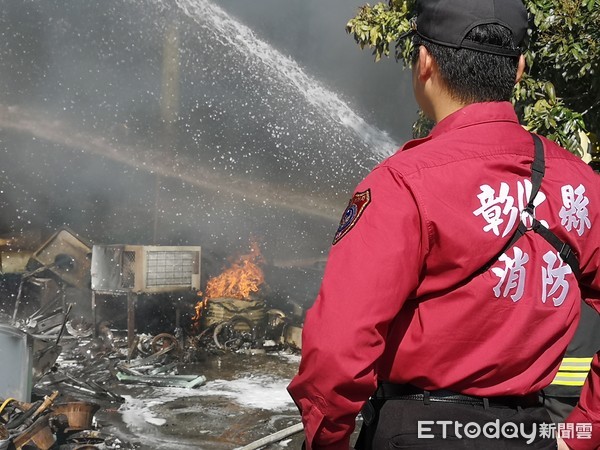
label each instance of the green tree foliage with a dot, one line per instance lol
(559, 95)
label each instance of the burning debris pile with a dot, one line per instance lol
(232, 292)
(66, 357)
(232, 315)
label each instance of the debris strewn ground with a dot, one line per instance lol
(237, 398)
(81, 376)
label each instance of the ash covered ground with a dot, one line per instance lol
(243, 400)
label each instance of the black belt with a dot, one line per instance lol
(391, 391)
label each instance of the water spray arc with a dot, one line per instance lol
(287, 71)
(224, 133)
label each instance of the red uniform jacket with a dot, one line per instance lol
(403, 298)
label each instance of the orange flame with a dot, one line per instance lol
(239, 281)
(200, 306)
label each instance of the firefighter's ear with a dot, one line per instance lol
(425, 64)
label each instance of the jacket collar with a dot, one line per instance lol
(473, 114)
(476, 113)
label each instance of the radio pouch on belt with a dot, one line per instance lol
(538, 168)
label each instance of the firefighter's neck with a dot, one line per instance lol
(430, 89)
(443, 104)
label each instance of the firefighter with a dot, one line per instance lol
(563, 393)
(454, 282)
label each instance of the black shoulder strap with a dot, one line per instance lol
(538, 169)
(564, 250)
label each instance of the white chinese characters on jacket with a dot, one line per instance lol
(500, 212)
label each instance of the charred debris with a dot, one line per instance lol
(78, 318)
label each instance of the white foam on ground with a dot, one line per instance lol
(261, 392)
(137, 412)
(156, 421)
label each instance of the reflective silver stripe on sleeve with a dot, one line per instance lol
(570, 378)
(576, 364)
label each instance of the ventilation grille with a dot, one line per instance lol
(169, 268)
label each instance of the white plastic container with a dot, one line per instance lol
(16, 361)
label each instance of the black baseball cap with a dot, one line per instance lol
(447, 22)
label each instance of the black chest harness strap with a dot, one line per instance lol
(538, 168)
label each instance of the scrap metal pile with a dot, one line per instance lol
(64, 362)
(47, 424)
(85, 369)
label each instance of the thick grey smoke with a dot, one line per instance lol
(172, 122)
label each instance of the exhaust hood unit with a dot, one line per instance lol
(66, 255)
